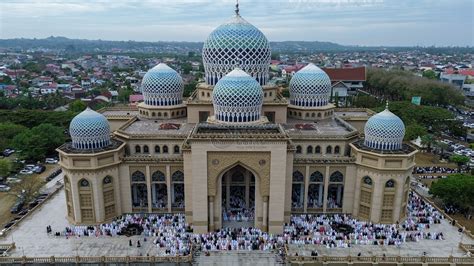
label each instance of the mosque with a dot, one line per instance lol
(236, 145)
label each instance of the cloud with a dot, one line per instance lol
(365, 22)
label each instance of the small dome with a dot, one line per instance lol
(162, 86)
(237, 97)
(310, 87)
(236, 43)
(384, 131)
(89, 130)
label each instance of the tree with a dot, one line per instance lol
(189, 89)
(77, 106)
(5, 167)
(29, 187)
(443, 147)
(456, 189)
(460, 160)
(428, 140)
(430, 74)
(124, 94)
(8, 131)
(413, 131)
(36, 143)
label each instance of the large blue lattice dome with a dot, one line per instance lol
(237, 97)
(162, 86)
(310, 87)
(384, 131)
(89, 130)
(236, 43)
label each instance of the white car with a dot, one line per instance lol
(26, 172)
(4, 188)
(51, 160)
(12, 180)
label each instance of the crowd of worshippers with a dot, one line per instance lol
(237, 210)
(433, 170)
(173, 236)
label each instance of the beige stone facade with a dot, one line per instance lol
(292, 164)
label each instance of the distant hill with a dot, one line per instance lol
(81, 45)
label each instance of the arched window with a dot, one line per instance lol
(176, 149)
(367, 181)
(157, 149)
(315, 191)
(86, 201)
(84, 183)
(177, 186)
(145, 149)
(139, 191)
(335, 191)
(138, 149)
(159, 191)
(298, 149)
(138, 176)
(165, 149)
(309, 149)
(313, 114)
(108, 197)
(328, 149)
(390, 184)
(336, 177)
(317, 149)
(316, 177)
(158, 176)
(337, 150)
(107, 180)
(297, 194)
(365, 202)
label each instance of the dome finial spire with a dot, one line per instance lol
(386, 104)
(237, 8)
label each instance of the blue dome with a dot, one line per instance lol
(162, 86)
(310, 87)
(236, 43)
(237, 97)
(384, 131)
(89, 130)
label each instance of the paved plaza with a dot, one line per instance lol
(31, 239)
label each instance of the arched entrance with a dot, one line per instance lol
(238, 198)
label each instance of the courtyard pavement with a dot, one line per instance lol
(31, 239)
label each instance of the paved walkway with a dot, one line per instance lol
(237, 258)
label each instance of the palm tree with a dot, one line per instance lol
(428, 140)
(442, 146)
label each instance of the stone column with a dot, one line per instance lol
(211, 213)
(326, 188)
(265, 214)
(168, 186)
(305, 190)
(148, 187)
(339, 194)
(227, 190)
(320, 193)
(247, 189)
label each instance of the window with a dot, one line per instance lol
(159, 114)
(178, 176)
(298, 149)
(109, 196)
(165, 149)
(297, 194)
(138, 149)
(316, 177)
(365, 197)
(336, 177)
(317, 149)
(390, 184)
(158, 176)
(367, 181)
(298, 176)
(157, 149)
(138, 176)
(107, 180)
(337, 150)
(145, 149)
(84, 183)
(153, 114)
(364, 212)
(328, 149)
(176, 149)
(177, 187)
(309, 149)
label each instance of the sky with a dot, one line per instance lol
(348, 22)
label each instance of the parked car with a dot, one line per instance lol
(51, 160)
(13, 180)
(8, 152)
(8, 225)
(4, 188)
(23, 212)
(26, 172)
(17, 207)
(39, 169)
